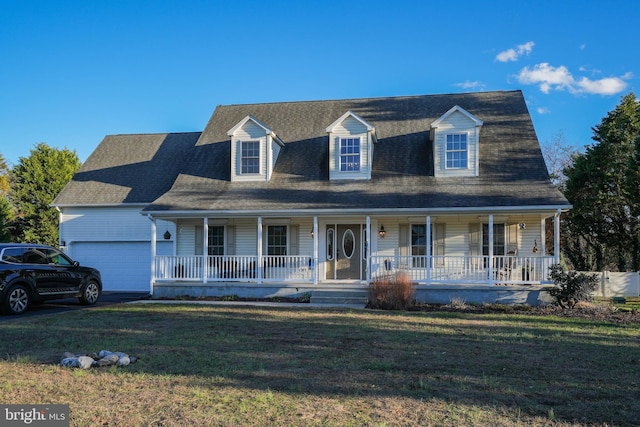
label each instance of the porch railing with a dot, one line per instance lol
(238, 268)
(442, 269)
(466, 269)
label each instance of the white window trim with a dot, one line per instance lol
(241, 157)
(224, 237)
(266, 235)
(340, 155)
(447, 151)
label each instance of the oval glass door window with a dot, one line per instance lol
(348, 243)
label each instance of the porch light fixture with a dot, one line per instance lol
(535, 246)
(522, 226)
(167, 235)
(311, 232)
(382, 232)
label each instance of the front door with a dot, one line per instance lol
(346, 264)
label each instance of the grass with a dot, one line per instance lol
(206, 365)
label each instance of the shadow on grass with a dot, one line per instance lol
(580, 371)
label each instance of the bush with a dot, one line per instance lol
(391, 292)
(572, 287)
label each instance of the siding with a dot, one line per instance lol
(104, 224)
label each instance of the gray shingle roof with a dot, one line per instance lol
(512, 169)
(129, 169)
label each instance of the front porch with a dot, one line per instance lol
(296, 269)
(472, 279)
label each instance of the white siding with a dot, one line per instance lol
(247, 236)
(186, 243)
(456, 123)
(108, 224)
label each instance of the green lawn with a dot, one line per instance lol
(228, 365)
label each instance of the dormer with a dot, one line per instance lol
(351, 141)
(254, 150)
(456, 143)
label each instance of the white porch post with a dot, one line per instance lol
(205, 249)
(153, 253)
(556, 237)
(315, 250)
(259, 242)
(490, 254)
(543, 240)
(367, 248)
(428, 244)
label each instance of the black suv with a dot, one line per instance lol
(31, 273)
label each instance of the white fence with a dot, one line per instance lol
(613, 284)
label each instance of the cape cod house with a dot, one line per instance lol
(292, 197)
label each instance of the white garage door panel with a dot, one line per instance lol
(124, 266)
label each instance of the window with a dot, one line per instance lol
(277, 240)
(250, 157)
(215, 245)
(418, 245)
(330, 241)
(56, 257)
(456, 154)
(498, 239)
(350, 154)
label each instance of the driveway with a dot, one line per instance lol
(60, 306)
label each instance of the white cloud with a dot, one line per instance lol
(542, 110)
(606, 86)
(476, 85)
(514, 54)
(559, 78)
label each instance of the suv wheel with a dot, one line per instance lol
(90, 293)
(16, 300)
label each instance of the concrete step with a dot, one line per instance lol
(338, 297)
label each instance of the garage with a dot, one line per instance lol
(124, 266)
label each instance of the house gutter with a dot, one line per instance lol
(342, 212)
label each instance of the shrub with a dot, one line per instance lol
(571, 287)
(391, 292)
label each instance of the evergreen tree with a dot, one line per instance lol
(37, 181)
(602, 184)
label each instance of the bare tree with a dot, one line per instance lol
(558, 155)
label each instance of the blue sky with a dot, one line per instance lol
(72, 72)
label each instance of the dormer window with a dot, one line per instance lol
(351, 141)
(456, 143)
(254, 150)
(250, 157)
(457, 151)
(349, 154)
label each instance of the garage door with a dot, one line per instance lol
(124, 266)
